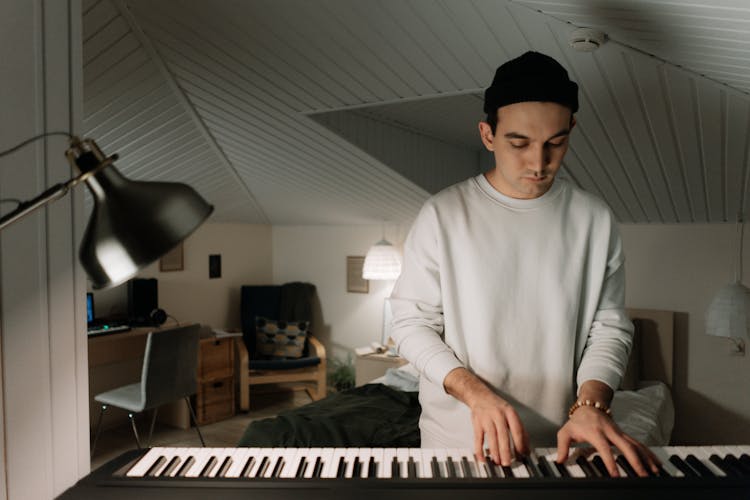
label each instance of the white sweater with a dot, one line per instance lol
(526, 294)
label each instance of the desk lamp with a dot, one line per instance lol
(132, 223)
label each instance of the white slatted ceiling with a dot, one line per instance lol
(660, 143)
(130, 109)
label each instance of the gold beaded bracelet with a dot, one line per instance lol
(587, 402)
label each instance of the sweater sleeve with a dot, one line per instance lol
(610, 337)
(416, 302)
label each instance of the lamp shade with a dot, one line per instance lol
(729, 312)
(132, 223)
(382, 262)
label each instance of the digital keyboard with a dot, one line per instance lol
(94, 331)
(409, 473)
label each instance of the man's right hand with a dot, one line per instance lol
(494, 419)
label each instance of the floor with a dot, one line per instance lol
(113, 442)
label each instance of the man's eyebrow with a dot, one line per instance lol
(516, 135)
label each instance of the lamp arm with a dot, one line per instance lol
(26, 207)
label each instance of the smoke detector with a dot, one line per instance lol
(587, 39)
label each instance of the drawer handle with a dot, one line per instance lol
(218, 384)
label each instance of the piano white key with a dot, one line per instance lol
(385, 467)
(550, 455)
(415, 454)
(239, 458)
(332, 467)
(292, 458)
(377, 456)
(455, 454)
(326, 457)
(364, 460)
(476, 468)
(704, 454)
(402, 455)
(201, 456)
(351, 454)
(519, 469)
(442, 457)
(273, 458)
(663, 453)
(313, 455)
(221, 455)
(145, 463)
(182, 454)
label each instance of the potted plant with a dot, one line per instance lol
(341, 373)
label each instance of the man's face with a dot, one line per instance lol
(529, 144)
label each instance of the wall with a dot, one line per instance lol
(317, 254)
(680, 268)
(675, 267)
(43, 412)
(189, 295)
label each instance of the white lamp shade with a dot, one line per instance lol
(382, 262)
(729, 312)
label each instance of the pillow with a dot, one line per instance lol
(275, 339)
(632, 375)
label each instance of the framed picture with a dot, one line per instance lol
(354, 281)
(172, 260)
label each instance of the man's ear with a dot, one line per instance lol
(572, 122)
(488, 137)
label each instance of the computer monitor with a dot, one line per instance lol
(90, 307)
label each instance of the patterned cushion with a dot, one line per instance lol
(279, 339)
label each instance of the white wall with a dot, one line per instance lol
(189, 295)
(680, 268)
(43, 405)
(317, 254)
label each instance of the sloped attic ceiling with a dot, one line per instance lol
(354, 111)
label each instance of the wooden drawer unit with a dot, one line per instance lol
(215, 397)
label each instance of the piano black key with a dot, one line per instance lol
(684, 468)
(736, 465)
(185, 466)
(466, 467)
(723, 465)
(435, 468)
(224, 466)
(564, 472)
(744, 464)
(411, 468)
(372, 468)
(301, 468)
(318, 469)
(507, 470)
(156, 466)
(623, 462)
(450, 467)
(490, 466)
(357, 468)
(600, 466)
(395, 469)
(586, 467)
(248, 465)
(545, 468)
(262, 467)
(208, 467)
(530, 466)
(171, 466)
(341, 471)
(699, 466)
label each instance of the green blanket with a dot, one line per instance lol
(372, 415)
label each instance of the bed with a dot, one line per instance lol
(385, 411)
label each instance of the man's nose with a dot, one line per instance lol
(539, 161)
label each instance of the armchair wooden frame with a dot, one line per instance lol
(312, 378)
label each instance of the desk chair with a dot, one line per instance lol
(170, 367)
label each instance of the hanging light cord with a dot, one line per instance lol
(29, 141)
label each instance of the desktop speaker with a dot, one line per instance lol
(143, 298)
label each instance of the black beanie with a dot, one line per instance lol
(531, 77)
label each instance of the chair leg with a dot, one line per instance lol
(135, 431)
(98, 429)
(195, 420)
(153, 423)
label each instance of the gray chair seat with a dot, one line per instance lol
(128, 397)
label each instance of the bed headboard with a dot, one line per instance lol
(656, 343)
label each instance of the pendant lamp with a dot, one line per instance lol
(728, 315)
(382, 262)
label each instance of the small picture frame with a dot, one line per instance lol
(354, 281)
(172, 260)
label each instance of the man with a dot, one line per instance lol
(511, 299)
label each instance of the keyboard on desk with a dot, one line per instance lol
(409, 473)
(107, 329)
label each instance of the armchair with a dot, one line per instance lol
(287, 302)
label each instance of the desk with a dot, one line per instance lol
(368, 367)
(116, 359)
